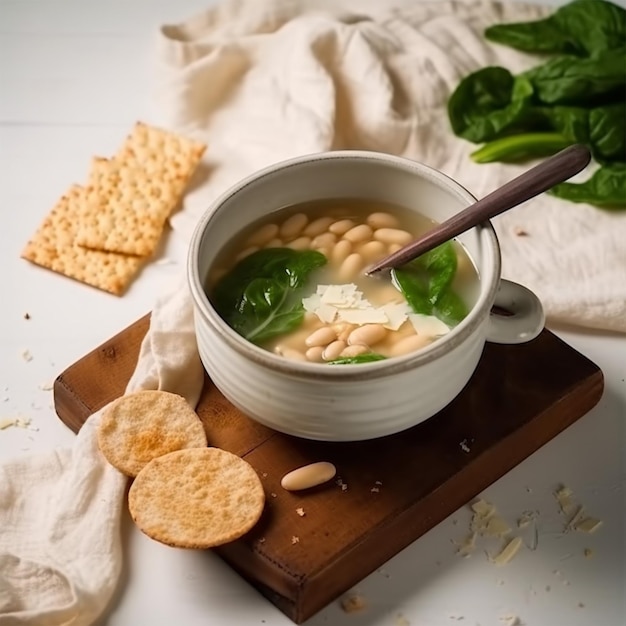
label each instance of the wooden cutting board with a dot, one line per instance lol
(397, 488)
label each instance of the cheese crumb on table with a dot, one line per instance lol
(353, 603)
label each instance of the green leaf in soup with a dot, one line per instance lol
(490, 103)
(584, 27)
(605, 189)
(572, 80)
(369, 357)
(450, 309)
(414, 287)
(426, 284)
(260, 297)
(440, 264)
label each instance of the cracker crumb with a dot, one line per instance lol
(526, 518)
(27, 356)
(273, 495)
(264, 474)
(300, 511)
(463, 445)
(295, 539)
(467, 546)
(378, 482)
(563, 496)
(17, 422)
(47, 386)
(520, 232)
(375, 489)
(511, 620)
(353, 603)
(261, 539)
(401, 620)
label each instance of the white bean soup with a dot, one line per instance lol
(294, 283)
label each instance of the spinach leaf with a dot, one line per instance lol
(595, 25)
(607, 131)
(450, 309)
(260, 297)
(521, 147)
(368, 357)
(602, 128)
(584, 27)
(571, 80)
(544, 36)
(490, 103)
(426, 283)
(606, 188)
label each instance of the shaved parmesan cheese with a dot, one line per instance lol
(508, 552)
(362, 316)
(326, 312)
(428, 325)
(397, 313)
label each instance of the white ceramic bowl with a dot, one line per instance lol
(351, 402)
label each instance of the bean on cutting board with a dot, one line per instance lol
(308, 476)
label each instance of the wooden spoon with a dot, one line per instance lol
(536, 180)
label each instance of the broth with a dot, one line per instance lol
(347, 315)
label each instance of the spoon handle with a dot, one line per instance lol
(536, 180)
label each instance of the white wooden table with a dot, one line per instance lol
(74, 77)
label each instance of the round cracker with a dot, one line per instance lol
(144, 425)
(197, 498)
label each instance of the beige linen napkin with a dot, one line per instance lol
(264, 80)
(60, 550)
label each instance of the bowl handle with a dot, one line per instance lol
(522, 318)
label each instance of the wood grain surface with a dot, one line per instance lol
(398, 487)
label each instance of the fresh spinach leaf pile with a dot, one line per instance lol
(426, 283)
(576, 96)
(261, 297)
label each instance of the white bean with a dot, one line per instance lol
(315, 354)
(393, 235)
(340, 227)
(293, 226)
(373, 250)
(350, 267)
(343, 330)
(382, 220)
(289, 353)
(409, 344)
(247, 252)
(333, 350)
(326, 240)
(318, 226)
(301, 243)
(275, 243)
(321, 337)
(341, 251)
(394, 247)
(308, 476)
(359, 233)
(266, 233)
(354, 351)
(367, 335)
